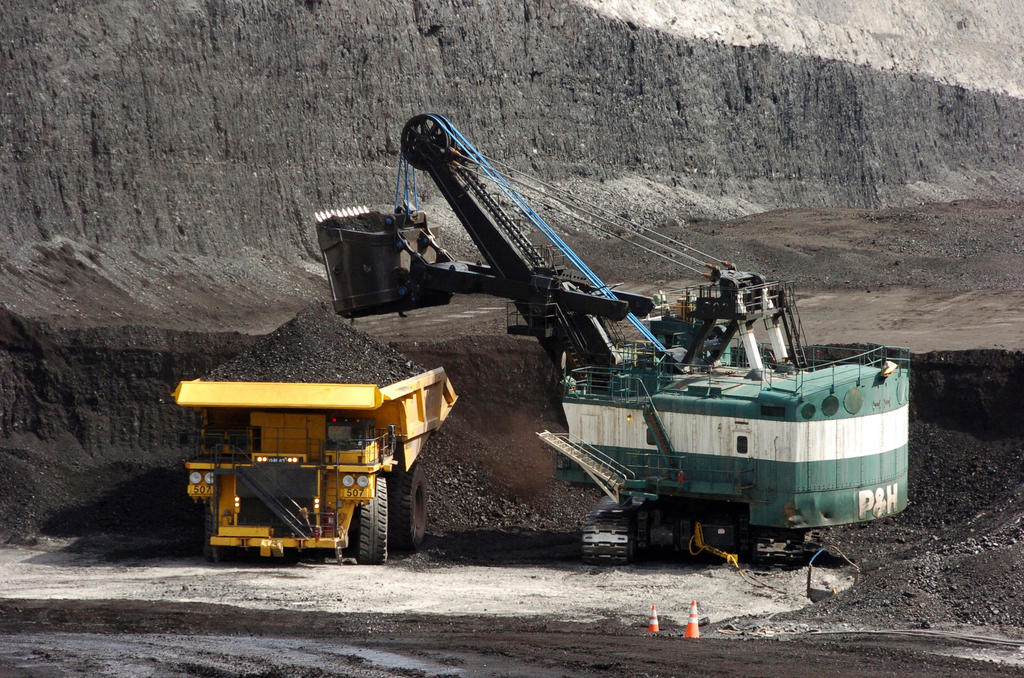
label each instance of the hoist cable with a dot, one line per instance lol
(637, 230)
(466, 147)
(402, 186)
(613, 217)
(573, 210)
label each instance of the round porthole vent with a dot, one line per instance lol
(853, 400)
(830, 406)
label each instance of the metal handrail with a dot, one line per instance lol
(273, 497)
(619, 382)
(606, 472)
(241, 440)
(600, 456)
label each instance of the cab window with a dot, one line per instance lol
(347, 434)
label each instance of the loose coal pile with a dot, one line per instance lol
(317, 346)
(470, 488)
(486, 467)
(955, 556)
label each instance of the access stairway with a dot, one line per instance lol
(609, 475)
(274, 499)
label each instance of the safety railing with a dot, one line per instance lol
(243, 443)
(540, 318)
(247, 445)
(604, 383)
(651, 464)
(552, 257)
(750, 298)
(604, 470)
(825, 363)
(641, 373)
(265, 486)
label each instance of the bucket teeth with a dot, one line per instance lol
(344, 213)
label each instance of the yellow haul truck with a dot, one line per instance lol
(289, 467)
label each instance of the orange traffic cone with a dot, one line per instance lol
(652, 626)
(692, 627)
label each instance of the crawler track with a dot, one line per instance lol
(609, 534)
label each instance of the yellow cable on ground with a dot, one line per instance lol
(697, 538)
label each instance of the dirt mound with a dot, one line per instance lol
(86, 419)
(507, 393)
(964, 571)
(473, 485)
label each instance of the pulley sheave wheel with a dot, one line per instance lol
(424, 139)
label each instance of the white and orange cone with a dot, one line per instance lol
(652, 625)
(692, 626)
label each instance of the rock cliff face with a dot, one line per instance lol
(207, 127)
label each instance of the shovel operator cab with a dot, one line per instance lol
(288, 468)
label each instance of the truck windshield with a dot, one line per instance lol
(346, 435)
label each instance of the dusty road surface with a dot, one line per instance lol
(65, 612)
(175, 639)
(528, 587)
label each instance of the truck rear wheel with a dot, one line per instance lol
(373, 527)
(407, 509)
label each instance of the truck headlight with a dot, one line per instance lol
(363, 481)
(208, 478)
(348, 481)
(195, 477)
